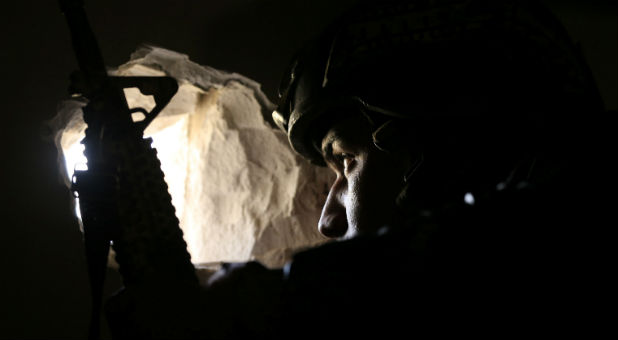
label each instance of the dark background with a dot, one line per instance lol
(43, 283)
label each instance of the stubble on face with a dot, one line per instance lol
(367, 184)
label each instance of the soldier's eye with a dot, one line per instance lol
(345, 160)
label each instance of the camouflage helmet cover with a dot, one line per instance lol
(425, 59)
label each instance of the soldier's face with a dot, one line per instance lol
(362, 198)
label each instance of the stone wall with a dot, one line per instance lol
(239, 190)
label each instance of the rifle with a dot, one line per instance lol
(124, 199)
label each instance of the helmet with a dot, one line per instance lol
(434, 63)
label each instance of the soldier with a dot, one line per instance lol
(461, 135)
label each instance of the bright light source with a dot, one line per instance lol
(74, 158)
(469, 198)
(169, 143)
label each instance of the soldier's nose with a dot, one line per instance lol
(333, 221)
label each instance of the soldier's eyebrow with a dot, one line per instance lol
(347, 133)
(327, 148)
(327, 144)
(331, 137)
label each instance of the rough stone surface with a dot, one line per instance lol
(239, 190)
